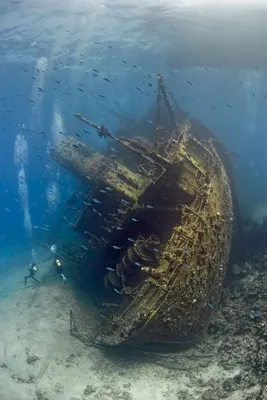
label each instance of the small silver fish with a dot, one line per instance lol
(110, 269)
(131, 240)
(116, 247)
(85, 248)
(156, 250)
(108, 188)
(134, 220)
(119, 228)
(121, 211)
(117, 291)
(149, 206)
(103, 191)
(97, 201)
(150, 122)
(210, 305)
(125, 202)
(138, 264)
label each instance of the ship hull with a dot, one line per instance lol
(176, 307)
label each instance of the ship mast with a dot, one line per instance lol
(144, 153)
(152, 156)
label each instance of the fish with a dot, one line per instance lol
(150, 122)
(138, 88)
(97, 201)
(149, 206)
(103, 191)
(106, 79)
(131, 240)
(116, 247)
(134, 220)
(210, 305)
(117, 291)
(80, 89)
(110, 269)
(156, 250)
(229, 105)
(86, 204)
(190, 83)
(108, 188)
(120, 211)
(119, 228)
(126, 202)
(84, 248)
(138, 264)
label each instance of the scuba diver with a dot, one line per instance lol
(59, 269)
(32, 269)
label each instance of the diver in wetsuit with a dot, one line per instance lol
(32, 270)
(59, 269)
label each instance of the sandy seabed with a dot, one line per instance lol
(40, 360)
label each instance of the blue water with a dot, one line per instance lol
(49, 49)
(101, 58)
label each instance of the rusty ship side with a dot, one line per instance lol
(162, 224)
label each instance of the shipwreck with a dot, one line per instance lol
(157, 222)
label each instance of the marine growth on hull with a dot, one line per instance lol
(157, 218)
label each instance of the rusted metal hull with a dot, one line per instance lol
(176, 306)
(163, 227)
